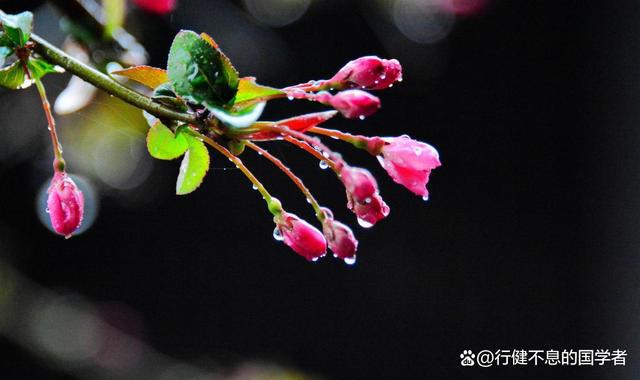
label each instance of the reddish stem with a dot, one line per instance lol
(295, 179)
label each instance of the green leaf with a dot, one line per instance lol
(230, 72)
(194, 167)
(163, 144)
(249, 90)
(39, 68)
(17, 27)
(241, 119)
(198, 72)
(4, 40)
(13, 77)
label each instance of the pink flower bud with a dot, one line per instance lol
(65, 204)
(363, 197)
(160, 7)
(409, 163)
(301, 236)
(355, 103)
(370, 72)
(340, 238)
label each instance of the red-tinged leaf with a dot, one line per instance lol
(151, 77)
(230, 72)
(210, 40)
(299, 123)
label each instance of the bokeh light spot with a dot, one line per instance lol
(423, 21)
(277, 12)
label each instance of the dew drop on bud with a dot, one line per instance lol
(254, 187)
(367, 200)
(425, 198)
(361, 117)
(350, 260)
(383, 77)
(315, 259)
(323, 164)
(290, 97)
(277, 234)
(364, 224)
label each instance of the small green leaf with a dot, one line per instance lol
(163, 144)
(197, 71)
(17, 27)
(13, 77)
(249, 90)
(39, 68)
(194, 167)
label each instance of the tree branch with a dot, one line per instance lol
(105, 83)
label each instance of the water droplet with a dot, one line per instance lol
(364, 224)
(254, 187)
(361, 117)
(350, 260)
(399, 79)
(260, 153)
(376, 81)
(277, 234)
(367, 200)
(391, 85)
(323, 164)
(47, 210)
(325, 154)
(290, 97)
(425, 198)
(383, 76)
(309, 200)
(315, 259)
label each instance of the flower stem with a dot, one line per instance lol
(104, 82)
(238, 162)
(313, 141)
(303, 145)
(373, 145)
(347, 137)
(58, 162)
(320, 214)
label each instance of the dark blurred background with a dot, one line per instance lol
(530, 239)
